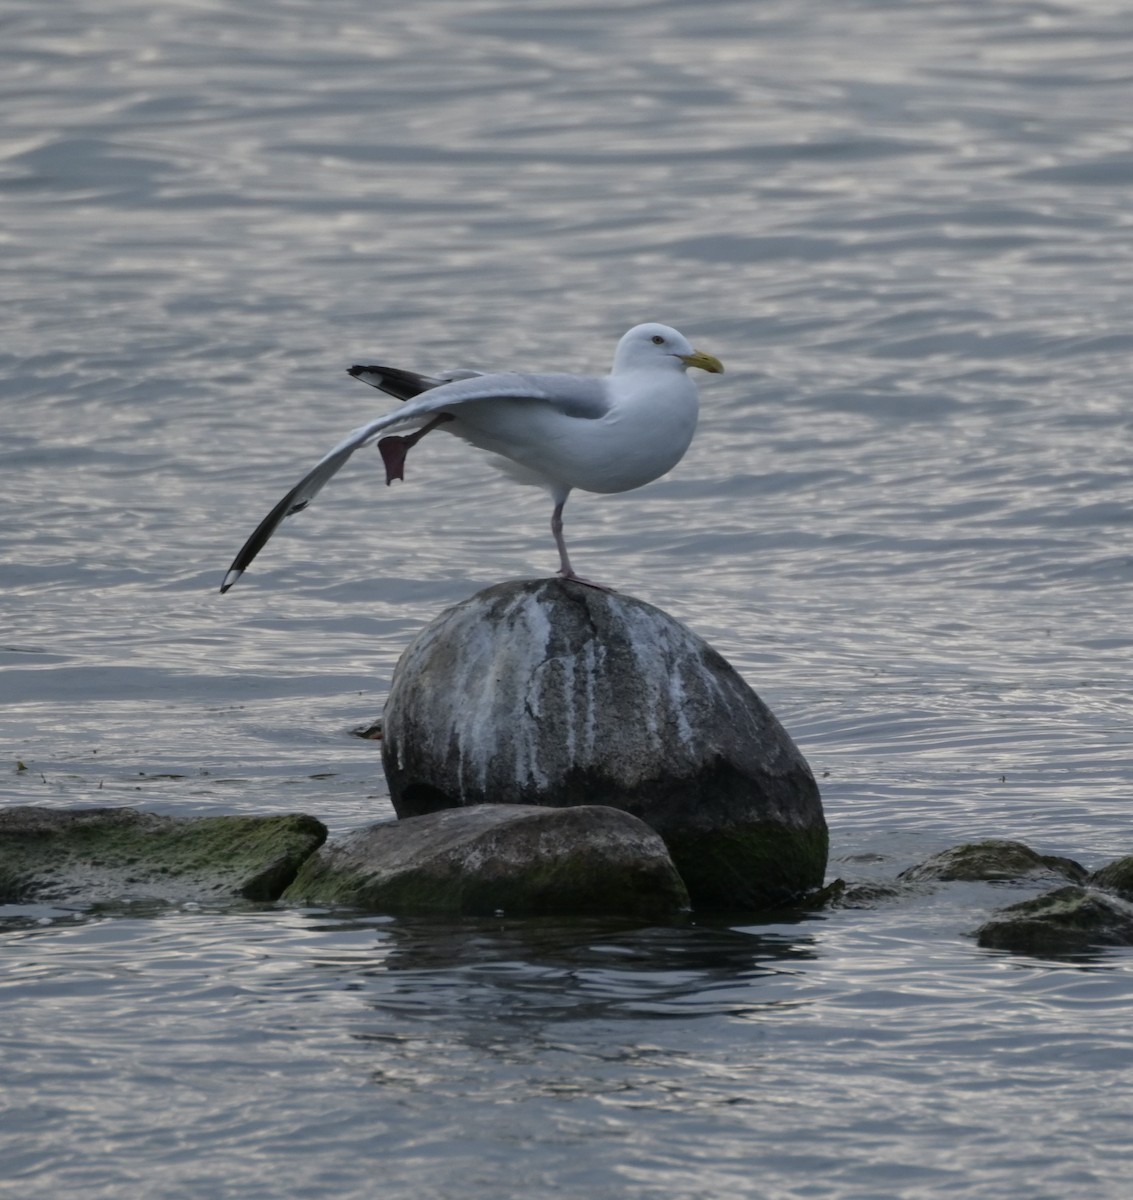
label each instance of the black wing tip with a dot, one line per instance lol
(263, 532)
(392, 380)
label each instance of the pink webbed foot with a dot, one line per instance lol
(393, 450)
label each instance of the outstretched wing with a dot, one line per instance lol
(570, 394)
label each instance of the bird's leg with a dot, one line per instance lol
(394, 448)
(565, 569)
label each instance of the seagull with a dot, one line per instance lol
(602, 434)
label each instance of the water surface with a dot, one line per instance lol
(906, 519)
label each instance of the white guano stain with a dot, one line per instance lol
(517, 714)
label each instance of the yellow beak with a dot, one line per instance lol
(704, 361)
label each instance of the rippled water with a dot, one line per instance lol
(906, 517)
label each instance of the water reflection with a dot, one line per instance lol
(520, 971)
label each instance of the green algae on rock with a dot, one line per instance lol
(104, 855)
(753, 867)
(521, 860)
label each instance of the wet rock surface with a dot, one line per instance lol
(550, 693)
(512, 859)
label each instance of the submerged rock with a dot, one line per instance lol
(997, 860)
(520, 860)
(1064, 921)
(552, 693)
(106, 855)
(1116, 877)
(869, 894)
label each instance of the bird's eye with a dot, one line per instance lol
(657, 340)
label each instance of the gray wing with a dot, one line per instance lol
(582, 396)
(574, 395)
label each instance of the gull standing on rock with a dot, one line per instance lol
(602, 434)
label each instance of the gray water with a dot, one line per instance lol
(906, 229)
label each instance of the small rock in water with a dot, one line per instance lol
(995, 859)
(1116, 877)
(1067, 920)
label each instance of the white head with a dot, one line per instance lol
(653, 346)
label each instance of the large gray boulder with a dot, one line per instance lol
(124, 855)
(519, 860)
(552, 693)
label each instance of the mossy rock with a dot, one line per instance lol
(513, 859)
(996, 860)
(1067, 920)
(1116, 877)
(113, 855)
